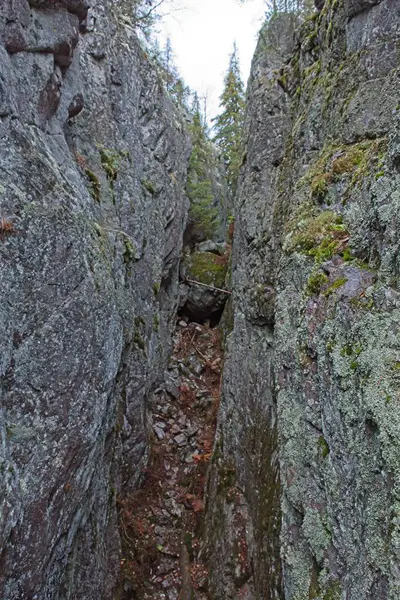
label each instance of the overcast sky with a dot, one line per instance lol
(202, 33)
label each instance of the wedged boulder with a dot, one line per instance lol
(201, 272)
(219, 248)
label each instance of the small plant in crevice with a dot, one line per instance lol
(110, 163)
(149, 186)
(129, 251)
(95, 190)
(156, 323)
(335, 286)
(315, 283)
(323, 446)
(138, 333)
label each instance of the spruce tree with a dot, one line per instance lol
(202, 213)
(228, 125)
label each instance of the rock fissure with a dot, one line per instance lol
(127, 473)
(161, 521)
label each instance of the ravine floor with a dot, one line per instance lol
(160, 523)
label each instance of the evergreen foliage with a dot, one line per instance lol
(275, 7)
(285, 6)
(174, 83)
(202, 213)
(300, 7)
(228, 125)
(144, 13)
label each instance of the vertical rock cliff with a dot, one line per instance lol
(303, 494)
(93, 161)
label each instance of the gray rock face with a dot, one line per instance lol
(353, 7)
(306, 465)
(92, 166)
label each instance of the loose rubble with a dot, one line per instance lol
(160, 522)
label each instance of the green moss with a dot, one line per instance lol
(315, 283)
(333, 592)
(330, 346)
(348, 257)
(139, 321)
(319, 186)
(315, 233)
(351, 350)
(283, 82)
(138, 340)
(95, 184)
(323, 446)
(110, 163)
(335, 285)
(348, 160)
(207, 268)
(129, 251)
(346, 350)
(10, 430)
(156, 323)
(148, 186)
(336, 161)
(156, 288)
(325, 250)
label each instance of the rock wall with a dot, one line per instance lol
(303, 495)
(93, 161)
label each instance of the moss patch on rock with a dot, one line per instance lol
(207, 268)
(336, 162)
(315, 233)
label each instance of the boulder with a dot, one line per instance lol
(204, 275)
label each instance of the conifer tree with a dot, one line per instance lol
(291, 6)
(228, 125)
(202, 213)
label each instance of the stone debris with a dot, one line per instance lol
(170, 504)
(160, 433)
(181, 439)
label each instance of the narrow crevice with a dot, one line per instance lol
(161, 522)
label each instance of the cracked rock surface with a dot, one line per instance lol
(309, 421)
(89, 261)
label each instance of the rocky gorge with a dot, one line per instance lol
(107, 448)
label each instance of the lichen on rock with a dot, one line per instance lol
(84, 337)
(317, 218)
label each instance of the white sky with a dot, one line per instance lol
(202, 34)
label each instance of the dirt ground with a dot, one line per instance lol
(160, 523)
